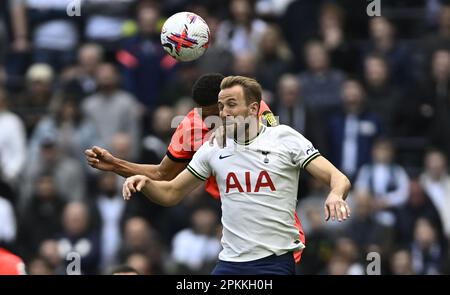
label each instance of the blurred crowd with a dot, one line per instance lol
(371, 93)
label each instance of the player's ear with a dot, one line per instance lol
(254, 108)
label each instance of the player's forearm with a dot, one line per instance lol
(162, 193)
(339, 184)
(127, 169)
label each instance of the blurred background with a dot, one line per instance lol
(372, 94)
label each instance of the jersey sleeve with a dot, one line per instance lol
(199, 165)
(186, 140)
(302, 150)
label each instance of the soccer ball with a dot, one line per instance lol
(185, 36)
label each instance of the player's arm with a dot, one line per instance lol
(102, 159)
(335, 205)
(165, 193)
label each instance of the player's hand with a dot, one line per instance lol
(100, 158)
(336, 208)
(219, 136)
(133, 184)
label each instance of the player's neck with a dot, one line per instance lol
(250, 133)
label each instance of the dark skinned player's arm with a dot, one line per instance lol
(168, 169)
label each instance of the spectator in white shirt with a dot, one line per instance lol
(385, 180)
(436, 182)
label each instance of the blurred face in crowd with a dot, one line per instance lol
(46, 189)
(376, 71)
(435, 165)
(204, 222)
(140, 263)
(108, 184)
(316, 57)
(49, 250)
(338, 265)
(401, 263)
(244, 64)
(39, 89)
(50, 152)
(241, 11)
(383, 152)
(347, 248)
(121, 145)
(417, 195)
(107, 78)
(444, 17)
(162, 119)
(89, 57)
(352, 95)
(69, 111)
(137, 233)
(39, 266)
(330, 18)
(148, 18)
(75, 219)
(289, 90)
(424, 233)
(441, 65)
(381, 28)
(270, 41)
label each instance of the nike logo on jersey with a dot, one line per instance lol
(223, 157)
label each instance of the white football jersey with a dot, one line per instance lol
(258, 183)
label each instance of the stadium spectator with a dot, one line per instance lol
(12, 147)
(364, 229)
(106, 22)
(141, 56)
(38, 98)
(436, 183)
(428, 256)
(383, 97)
(383, 41)
(387, 181)
(273, 59)
(111, 109)
(243, 31)
(400, 263)
(321, 83)
(419, 205)
(78, 236)
(195, 249)
(8, 220)
(43, 214)
(352, 131)
(68, 174)
(73, 133)
(141, 238)
(55, 35)
(293, 111)
(108, 210)
(333, 35)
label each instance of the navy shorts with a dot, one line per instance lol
(271, 265)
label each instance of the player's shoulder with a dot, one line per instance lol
(285, 135)
(283, 131)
